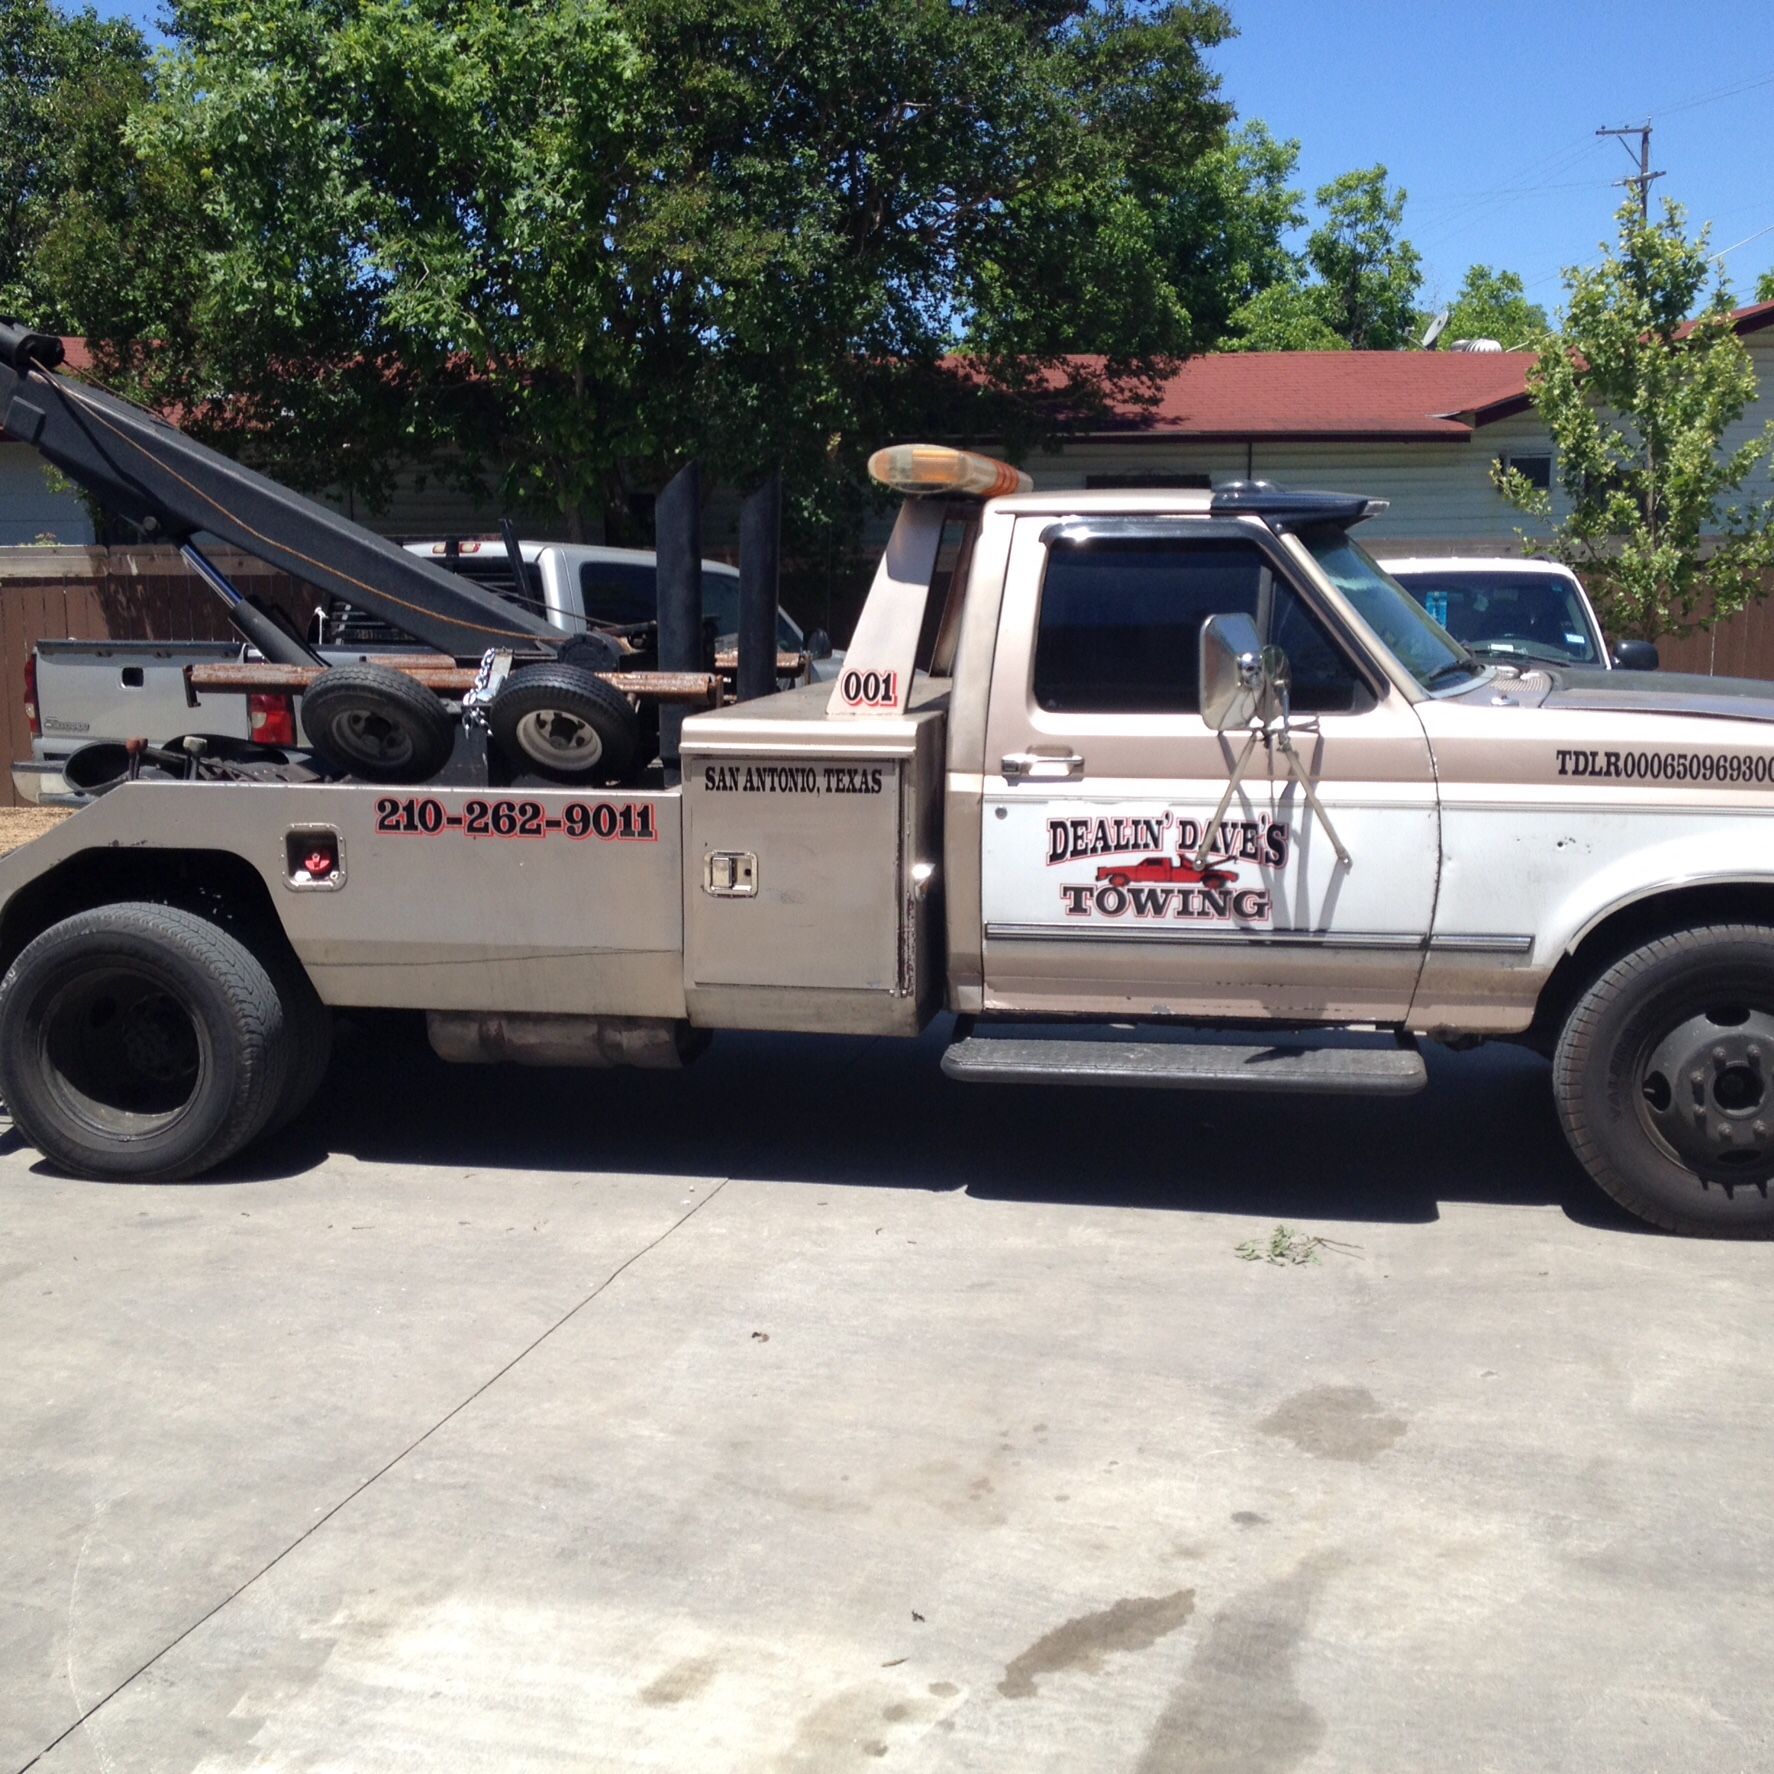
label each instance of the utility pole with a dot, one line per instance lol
(1644, 176)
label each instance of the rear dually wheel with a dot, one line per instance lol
(140, 1042)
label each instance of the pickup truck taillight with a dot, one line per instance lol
(31, 714)
(272, 719)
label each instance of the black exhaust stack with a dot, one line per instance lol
(760, 562)
(677, 544)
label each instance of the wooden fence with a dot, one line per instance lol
(148, 594)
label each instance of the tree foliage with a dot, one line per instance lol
(1493, 305)
(67, 84)
(561, 245)
(1369, 272)
(1288, 317)
(1355, 286)
(1638, 400)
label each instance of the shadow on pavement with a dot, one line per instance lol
(876, 1113)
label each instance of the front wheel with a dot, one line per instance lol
(1664, 1079)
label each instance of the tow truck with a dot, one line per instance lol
(1372, 839)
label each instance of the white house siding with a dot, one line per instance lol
(1440, 491)
(1761, 411)
(30, 508)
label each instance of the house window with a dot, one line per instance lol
(1535, 469)
(1197, 483)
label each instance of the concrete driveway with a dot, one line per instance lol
(809, 1412)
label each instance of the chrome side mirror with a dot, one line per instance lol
(1241, 679)
(1231, 671)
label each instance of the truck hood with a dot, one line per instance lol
(1648, 693)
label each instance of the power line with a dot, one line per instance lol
(1708, 98)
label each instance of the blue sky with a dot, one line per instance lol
(1486, 114)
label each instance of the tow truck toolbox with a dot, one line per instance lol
(1186, 793)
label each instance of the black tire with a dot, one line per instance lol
(377, 724)
(1664, 1080)
(140, 1042)
(592, 651)
(564, 723)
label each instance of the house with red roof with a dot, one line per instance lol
(1418, 428)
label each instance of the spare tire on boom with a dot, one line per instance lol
(377, 724)
(565, 723)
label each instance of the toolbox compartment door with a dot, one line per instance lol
(804, 903)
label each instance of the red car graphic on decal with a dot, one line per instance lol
(1165, 868)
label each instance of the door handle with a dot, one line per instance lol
(1031, 766)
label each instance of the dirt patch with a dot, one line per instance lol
(19, 825)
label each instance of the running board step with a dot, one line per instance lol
(1036, 1055)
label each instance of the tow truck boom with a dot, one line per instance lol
(172, 488)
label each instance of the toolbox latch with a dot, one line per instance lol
(730, 874)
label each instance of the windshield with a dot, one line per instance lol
(1504, 615)
(1423, 647)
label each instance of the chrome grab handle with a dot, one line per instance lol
(1031, 766)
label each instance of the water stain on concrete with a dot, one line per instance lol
(1336, 1423)
(944, 1690)
(1237, 1709)
(843, 1724)
(683, 1681)
(1131, 1624)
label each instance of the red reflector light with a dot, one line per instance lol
(271, 718)
(31, 715)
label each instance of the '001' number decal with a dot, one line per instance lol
(611, 822)
(871, 689)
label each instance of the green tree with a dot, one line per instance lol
(1224, 228)
(1765, 286)
(560, 246)
(1355, 286)
(1493, 305)
(1288, 317)
(1369, 271)
(67, 81)
(1663, 522)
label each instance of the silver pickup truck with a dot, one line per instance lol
(85, 691)
(1185, 792)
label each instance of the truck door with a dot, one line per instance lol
(1103, 891)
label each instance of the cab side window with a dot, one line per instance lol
(1120, 627)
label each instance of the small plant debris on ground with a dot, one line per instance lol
(1289, 1245)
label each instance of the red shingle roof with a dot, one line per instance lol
(1344, 396)
(1336, 396)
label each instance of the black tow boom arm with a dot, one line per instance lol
(170, 487)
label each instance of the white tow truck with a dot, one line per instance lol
(1181, 791)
